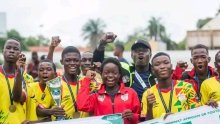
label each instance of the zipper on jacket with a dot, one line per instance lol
(113, 107)
(113, 103)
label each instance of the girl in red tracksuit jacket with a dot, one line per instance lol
(112, 97)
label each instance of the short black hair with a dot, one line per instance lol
(200, 46)
(34, 53)
(120, 46)
(216, 55)
(114, 61)
(43, 57)
(47, 60)
(87, 52)
(70, 49)
(159, 54)
(14, 40)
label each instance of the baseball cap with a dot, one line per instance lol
(140, 43)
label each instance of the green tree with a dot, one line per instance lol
(40, 40)
(138, 34)
(32, 41)
(25, 42)
(109, 47)
(171, 45)
(201, 22)
(155, 28)
(130, 42)
(2, 42)
(182, 45)
(43, 40)
(16, 35)
(92, 31)
(158, 30)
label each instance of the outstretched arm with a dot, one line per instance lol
(18, 95)
(54, 43)
(99, 53)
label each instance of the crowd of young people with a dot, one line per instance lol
(93, 85)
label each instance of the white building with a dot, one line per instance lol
(3, 29)
(208, 35)
(212, 24)
(157, 45)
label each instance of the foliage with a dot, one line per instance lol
(155, 28)
(92, 31)
(138, 34)
(201, 22)
(13, 34)
(39, 40)
(43, 41)
(1, 61)
(182, 45)
(171, 45)
(2, 42)
(32, 41)
(109, 47)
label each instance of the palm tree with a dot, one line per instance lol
(155, 28)
(93, 30)
(158, 31)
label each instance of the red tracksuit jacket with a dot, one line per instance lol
(190, 77)
(100, 103)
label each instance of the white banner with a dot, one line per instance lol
(200, 115)
(107, 119)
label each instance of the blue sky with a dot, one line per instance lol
(66, 17)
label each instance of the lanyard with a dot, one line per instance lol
(23, 82)
(71, 92)
(163, 102)
(199, 85)
(141, 80)
(8, 84)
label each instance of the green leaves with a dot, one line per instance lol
(92, 31)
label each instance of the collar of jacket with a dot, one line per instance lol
(192, 73)
(132, 68)
(121, 90)
(151, 78)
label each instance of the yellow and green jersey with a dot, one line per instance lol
(183, 98)
(210, 89)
